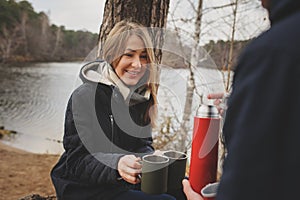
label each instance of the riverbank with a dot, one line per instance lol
(23, 173)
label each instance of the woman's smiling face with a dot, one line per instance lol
(133, 63)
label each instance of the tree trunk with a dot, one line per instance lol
(191, 80)
(222, 147)
(150, 13)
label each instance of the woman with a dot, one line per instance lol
(108, 121)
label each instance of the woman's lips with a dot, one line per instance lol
(133, 72)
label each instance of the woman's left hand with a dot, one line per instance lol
(129, 168)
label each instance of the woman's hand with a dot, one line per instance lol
(129, 167)
(189, 192)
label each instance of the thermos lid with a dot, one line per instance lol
(209, 111)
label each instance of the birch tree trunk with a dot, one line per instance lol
(191, 80)
(227, 80)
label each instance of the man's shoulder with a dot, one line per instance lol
(283, 36)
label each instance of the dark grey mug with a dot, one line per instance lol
(154, 178)
(176, 169)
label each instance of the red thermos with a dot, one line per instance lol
(204, 154)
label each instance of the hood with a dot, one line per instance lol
(99, 71)
(279, 9)
(96, 71)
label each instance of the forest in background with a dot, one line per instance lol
(26, 35)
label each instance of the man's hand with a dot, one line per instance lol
(189, 192)
(219, 99)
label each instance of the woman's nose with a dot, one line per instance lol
(136, 63)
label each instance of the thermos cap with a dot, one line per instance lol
(208, 111)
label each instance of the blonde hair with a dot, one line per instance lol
(114, 48)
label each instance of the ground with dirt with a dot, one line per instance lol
(23, 174)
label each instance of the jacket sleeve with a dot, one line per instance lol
(146, 146)
(87, 147)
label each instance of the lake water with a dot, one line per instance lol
(33, 99)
